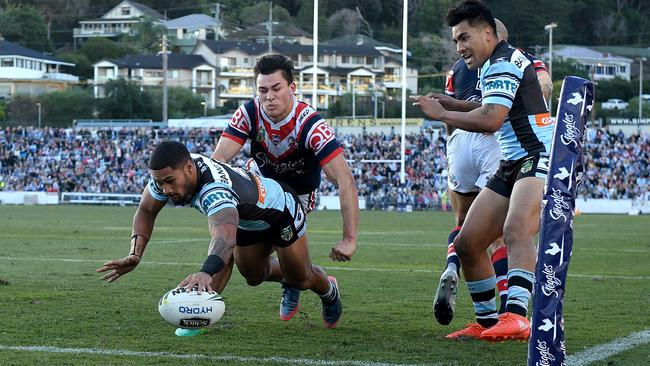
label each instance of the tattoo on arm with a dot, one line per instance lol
(223, 229)
(485, 110)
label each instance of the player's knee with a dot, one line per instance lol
(514, 232)
(254, 279)
(462, 246)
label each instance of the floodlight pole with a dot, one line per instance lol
(549, 28)
(405, 4)
(638, 124)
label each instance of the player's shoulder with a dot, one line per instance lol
(507, 58)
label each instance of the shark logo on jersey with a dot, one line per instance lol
(526, 167)
(286, 234)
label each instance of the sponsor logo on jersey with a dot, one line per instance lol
(260, 134)
(572, 132)
(543, 120)
(189, 310)
(320, 136)
(214, 199)
(545, 355)
(552, 282)
(261, 191)
(502, 85)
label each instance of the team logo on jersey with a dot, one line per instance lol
(543, 120)
(261, 191)
(526, 167)
(292, 141)
(286, 234)
(275, 139)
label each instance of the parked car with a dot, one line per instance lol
(614, 104)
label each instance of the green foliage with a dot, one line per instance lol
(259, 13)
(616, 88)
(3, 114)
(98, 48)
(125, 100)
(24, 25)
(60, 108)
(22, 110)
(83, 67)
(364, 106)
(181, 103)
(146, 37)
(387, 313)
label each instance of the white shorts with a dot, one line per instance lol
(472, 158)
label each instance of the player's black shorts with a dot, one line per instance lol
(510, 171)
(287, 227)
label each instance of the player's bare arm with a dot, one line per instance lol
(453, 104)
(338, 172)
(226, 150)
(223, 230)
(545, 83)
(487, 118)
(143, 223)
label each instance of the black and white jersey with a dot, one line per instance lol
(508, 78)
(258, 200)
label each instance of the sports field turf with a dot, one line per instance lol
(55, 299)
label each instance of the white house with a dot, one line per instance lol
(600, 65)
(188, 71)
(26, 71)
(119, 20)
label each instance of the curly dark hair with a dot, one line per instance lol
(269, 64)
(474, 11)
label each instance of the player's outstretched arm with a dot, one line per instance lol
(487, 118)
(226, 150)
(453, 104)
(338, 172)
(143, 222)
(223, 230)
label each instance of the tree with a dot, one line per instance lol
(259, 13)
(25, 25)
(182, 103)
(146, 36)
(22, 110)
(344, 22)
(60, 108)
(125, 100)
(99, 48)
(83, 67)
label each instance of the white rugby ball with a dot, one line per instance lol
(191, 310)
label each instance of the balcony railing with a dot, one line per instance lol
(238, 90)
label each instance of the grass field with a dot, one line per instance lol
(55, 298)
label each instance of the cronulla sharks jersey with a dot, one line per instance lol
(463, 84)
(258, 200)
(508, 78)
(291, 151)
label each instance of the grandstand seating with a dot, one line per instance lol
(115, 161)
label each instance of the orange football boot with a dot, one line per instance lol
(471, 331)
(510, 326)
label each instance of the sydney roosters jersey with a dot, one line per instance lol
(291, 151)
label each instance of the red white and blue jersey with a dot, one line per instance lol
(291, 151)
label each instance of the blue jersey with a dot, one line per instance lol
(258, 200)
(508, 78)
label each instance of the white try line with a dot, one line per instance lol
(194, 356)
(607, 350)
(360, 269)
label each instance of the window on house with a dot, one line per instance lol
(126, 10)
(20, 62)
(307, 58)
(357, 60)
(370, 60)
(321, 58)
(622, 69)
(345, 59)
(7, 62)
(611, 70)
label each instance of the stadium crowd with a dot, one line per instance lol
(115, 161)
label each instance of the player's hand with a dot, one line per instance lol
(200, 280)
(343, 250)
(429, 106)
(118, 267)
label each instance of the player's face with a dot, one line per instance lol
(177, 184)
(276, 95)
(472, 42)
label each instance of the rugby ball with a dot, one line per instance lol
(190, 310)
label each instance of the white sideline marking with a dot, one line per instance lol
(194, 356)
(607, 350)
(362, 269)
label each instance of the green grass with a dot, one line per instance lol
(387, 314)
